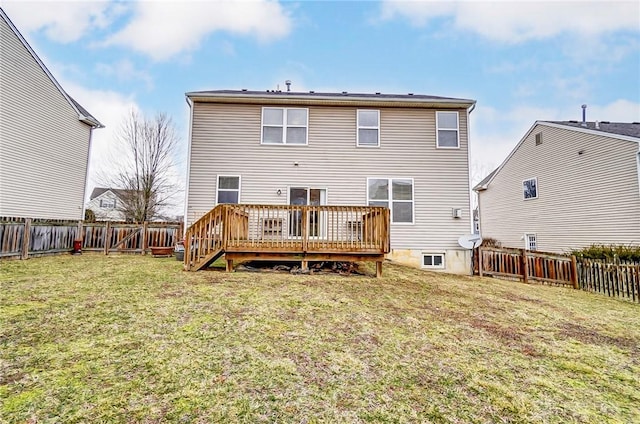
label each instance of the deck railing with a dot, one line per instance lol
(288, 229)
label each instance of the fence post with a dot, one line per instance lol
(145, 242)
(107, 238)
(26, 239)
(574, 272)
(480, 261)
(525, 266)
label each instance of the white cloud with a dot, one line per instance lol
(61, 21)
(164, 29)
(125, 71)
(513, 22)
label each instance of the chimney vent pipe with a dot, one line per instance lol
(584, 115)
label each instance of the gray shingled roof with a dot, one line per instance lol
(619, 128)
(98, 191)
(313, 94)
(485, 180)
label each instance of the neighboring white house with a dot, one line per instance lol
(566, 185)
(407, 152)
(105, 203)
(45, 136)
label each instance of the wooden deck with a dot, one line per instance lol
(288, 232)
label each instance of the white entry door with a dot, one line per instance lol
(315, 221)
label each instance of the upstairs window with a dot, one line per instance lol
(368, 128)
(284, 125)
(108, 203)
(228, 189)
(447, 133)
(530, 188)
(395, 194)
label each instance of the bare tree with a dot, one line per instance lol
(145, 177)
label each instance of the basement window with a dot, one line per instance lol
(433, 260)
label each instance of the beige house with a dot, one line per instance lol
(406, 152)
(105, 204)
(565, 185)
(45, 136)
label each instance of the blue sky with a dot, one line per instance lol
(521, 61)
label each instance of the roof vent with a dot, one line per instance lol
(244, 89)
(311, 91)
(636, 123)
(378, 93)
(288, 84)
(411, 94)
(573, 122)
(605, 122)
(344, 92)
(597, 125)
(584, 115)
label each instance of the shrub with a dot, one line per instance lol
(612, 252)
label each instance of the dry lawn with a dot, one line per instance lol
(136, 340)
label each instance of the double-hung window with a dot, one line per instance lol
(531, 242)
(447, 132)
(368, 128)
(284, 125)
(228, 189)
(395, 194)
(530, 188)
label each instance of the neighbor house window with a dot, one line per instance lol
(228, 189)
(530, 188)
(433, 260)
(284, 125)
(368, 128)
(108, 203)
(395, 194)
(447, 133)
(531, 242)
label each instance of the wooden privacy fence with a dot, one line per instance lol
(25, 237)
(621, 280)
(528, 265)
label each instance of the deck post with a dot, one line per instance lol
(229, 265)
(378, 269)
(304, 264)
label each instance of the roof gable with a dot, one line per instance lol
(619, 131)
(83, 115)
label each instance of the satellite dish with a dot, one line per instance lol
(470, 241)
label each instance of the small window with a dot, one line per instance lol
(284, 125)
(228, 189)
(530, 188)
(433, 260)
(530, 242)
(395, 194)
(368, 128)
(447, 134)
(538, 139)
(108, 203)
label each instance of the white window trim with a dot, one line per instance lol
(432, 254)
(284, 127)
(364, 127)
(530, 198)
(457, 130)
(390, 200)
(527, 242)
(239, 190)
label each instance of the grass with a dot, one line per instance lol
(135, 339)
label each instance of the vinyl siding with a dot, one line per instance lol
(583, 199)
(43, 146)
(226, 141)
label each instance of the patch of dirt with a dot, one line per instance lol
(508, 334)
(590, 336)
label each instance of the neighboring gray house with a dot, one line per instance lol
(45, 136)
(565, 185)
(105, 202)
(408, 152)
